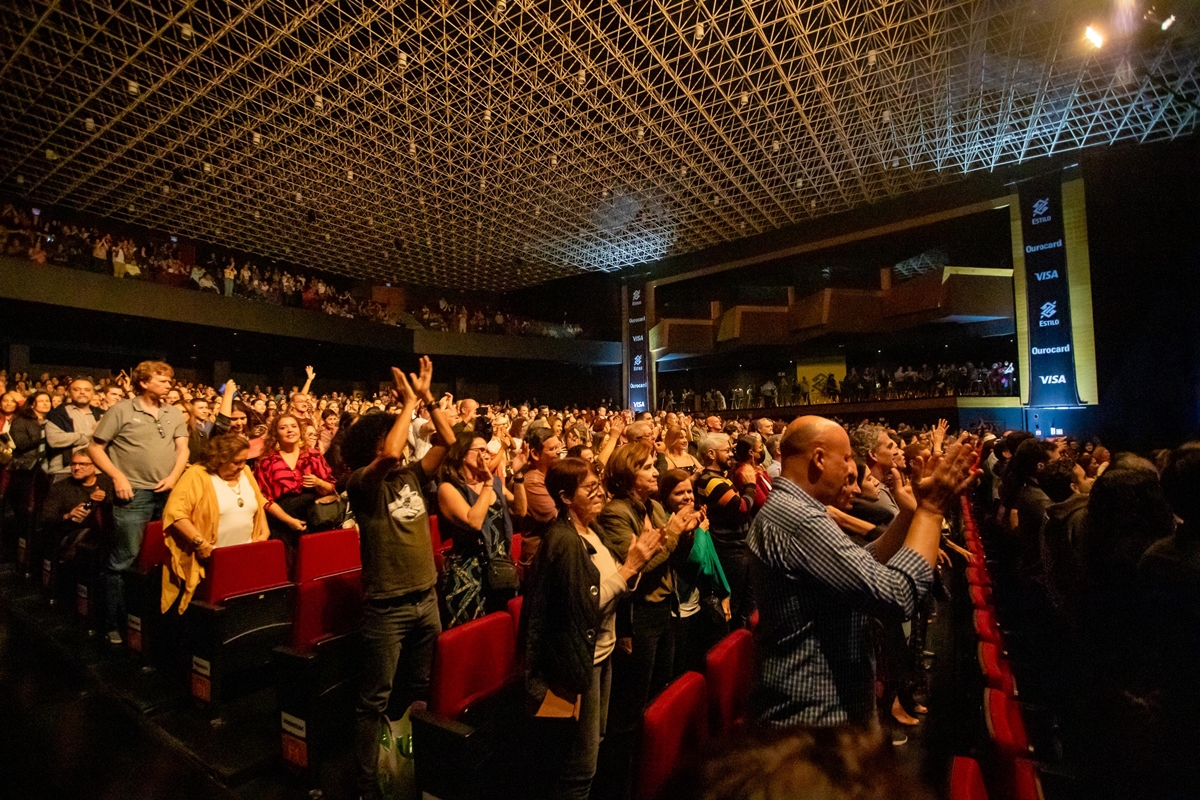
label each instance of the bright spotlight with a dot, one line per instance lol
(1168, 22)
(1093, 36)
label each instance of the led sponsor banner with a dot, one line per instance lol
(637, 350)
(1051, 363)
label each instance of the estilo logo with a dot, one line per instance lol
(1040, 207)
(1049, 309)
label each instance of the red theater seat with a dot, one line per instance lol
(154, 552)
(328, 606)
(244, 568)
(978, 576)
(981, 596)
(729, 675)
(516, 549)
(1004, 723)
(472, 662)
(327, 553)
(996, 671)
(986, 627)
(514, 611)
(674, 732)
(143, 591)
(1026, 785)
(966, 780)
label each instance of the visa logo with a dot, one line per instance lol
(1046, 276)
(1053, 378)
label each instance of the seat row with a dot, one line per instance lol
(460, 739)
(1016, 774)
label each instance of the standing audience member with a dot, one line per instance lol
(69, 427)
(216, 503)
(141, 443)
(729, 513)
(701, 588)
(400, 607)
(569, 631)
(818, 590)
(293, 478)
(544, 449)
(475, 511)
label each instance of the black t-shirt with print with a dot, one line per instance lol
(393, 524)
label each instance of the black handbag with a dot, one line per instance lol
(500, 574)
(499, 571)
(327, 515)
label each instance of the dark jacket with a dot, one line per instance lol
(1061, 538)
(560, 616)
(620, 523)
(27, 435)
(63, 421)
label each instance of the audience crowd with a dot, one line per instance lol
(859, 385)
(646, 539)
(34, 234)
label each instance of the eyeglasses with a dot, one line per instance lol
(478, 449)
(592, 489)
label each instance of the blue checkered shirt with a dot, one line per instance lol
(816, 592)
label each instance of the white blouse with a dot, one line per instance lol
(236, 525)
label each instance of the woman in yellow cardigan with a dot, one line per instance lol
(215, 503)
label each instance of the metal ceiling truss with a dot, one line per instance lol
(503, 143)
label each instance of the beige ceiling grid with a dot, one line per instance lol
(500, 144)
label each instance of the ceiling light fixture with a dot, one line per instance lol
(500, 6)
(487, 115)
(51, 155)
(895, 163)
(699, 32)
(887, 117)
(1168, 22)
(20, 180)
(554, 160)
(89, 124)
(207, 168)
(350, 174)
(131, 86)
(185, 31)
(641, 132)
(256, 138)
(872, 55)
(775, 146)
(297, 196)
(1094, 36)
(581, 77)
(319, 102)
(743, 99)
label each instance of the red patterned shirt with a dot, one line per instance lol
(276, 479)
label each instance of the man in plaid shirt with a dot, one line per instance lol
(816, 589)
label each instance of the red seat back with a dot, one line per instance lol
(978, 576)
(435, 535)
(995, 669)
(154, 552)
(986, 627)
(1026, 785)
(327, 553)
(966, 780)
(675, 729)
(1004, 723)
(244, 568)
(729, 674)
(981, 596)
(516, 548)
(514, 611)
(473, 661)
(327, 606)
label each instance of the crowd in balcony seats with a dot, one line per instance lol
(859, 385)
(629, 556)
(44, 239)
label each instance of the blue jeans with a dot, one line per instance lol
(579, 767)
(129, 521)
(398, 643)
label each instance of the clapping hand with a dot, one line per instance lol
(520, 459)
(644, 547)
(943, 477)
(422, 379)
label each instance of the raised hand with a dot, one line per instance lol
(944, 477)
(310, 372)
(422, 379)
(402, 391)
(521, 458)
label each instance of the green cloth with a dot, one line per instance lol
(704, 555)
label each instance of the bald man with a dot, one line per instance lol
(817, 590)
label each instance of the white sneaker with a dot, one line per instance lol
(114, 637)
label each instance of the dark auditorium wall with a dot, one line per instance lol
(1144, 235)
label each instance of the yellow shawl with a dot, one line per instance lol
(195, 499)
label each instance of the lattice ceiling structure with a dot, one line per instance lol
(503, 143)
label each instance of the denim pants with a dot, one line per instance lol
(735, 561)
(579, 766)
(129, 521)
(398, 642)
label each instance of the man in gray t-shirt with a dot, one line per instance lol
(142, 444)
